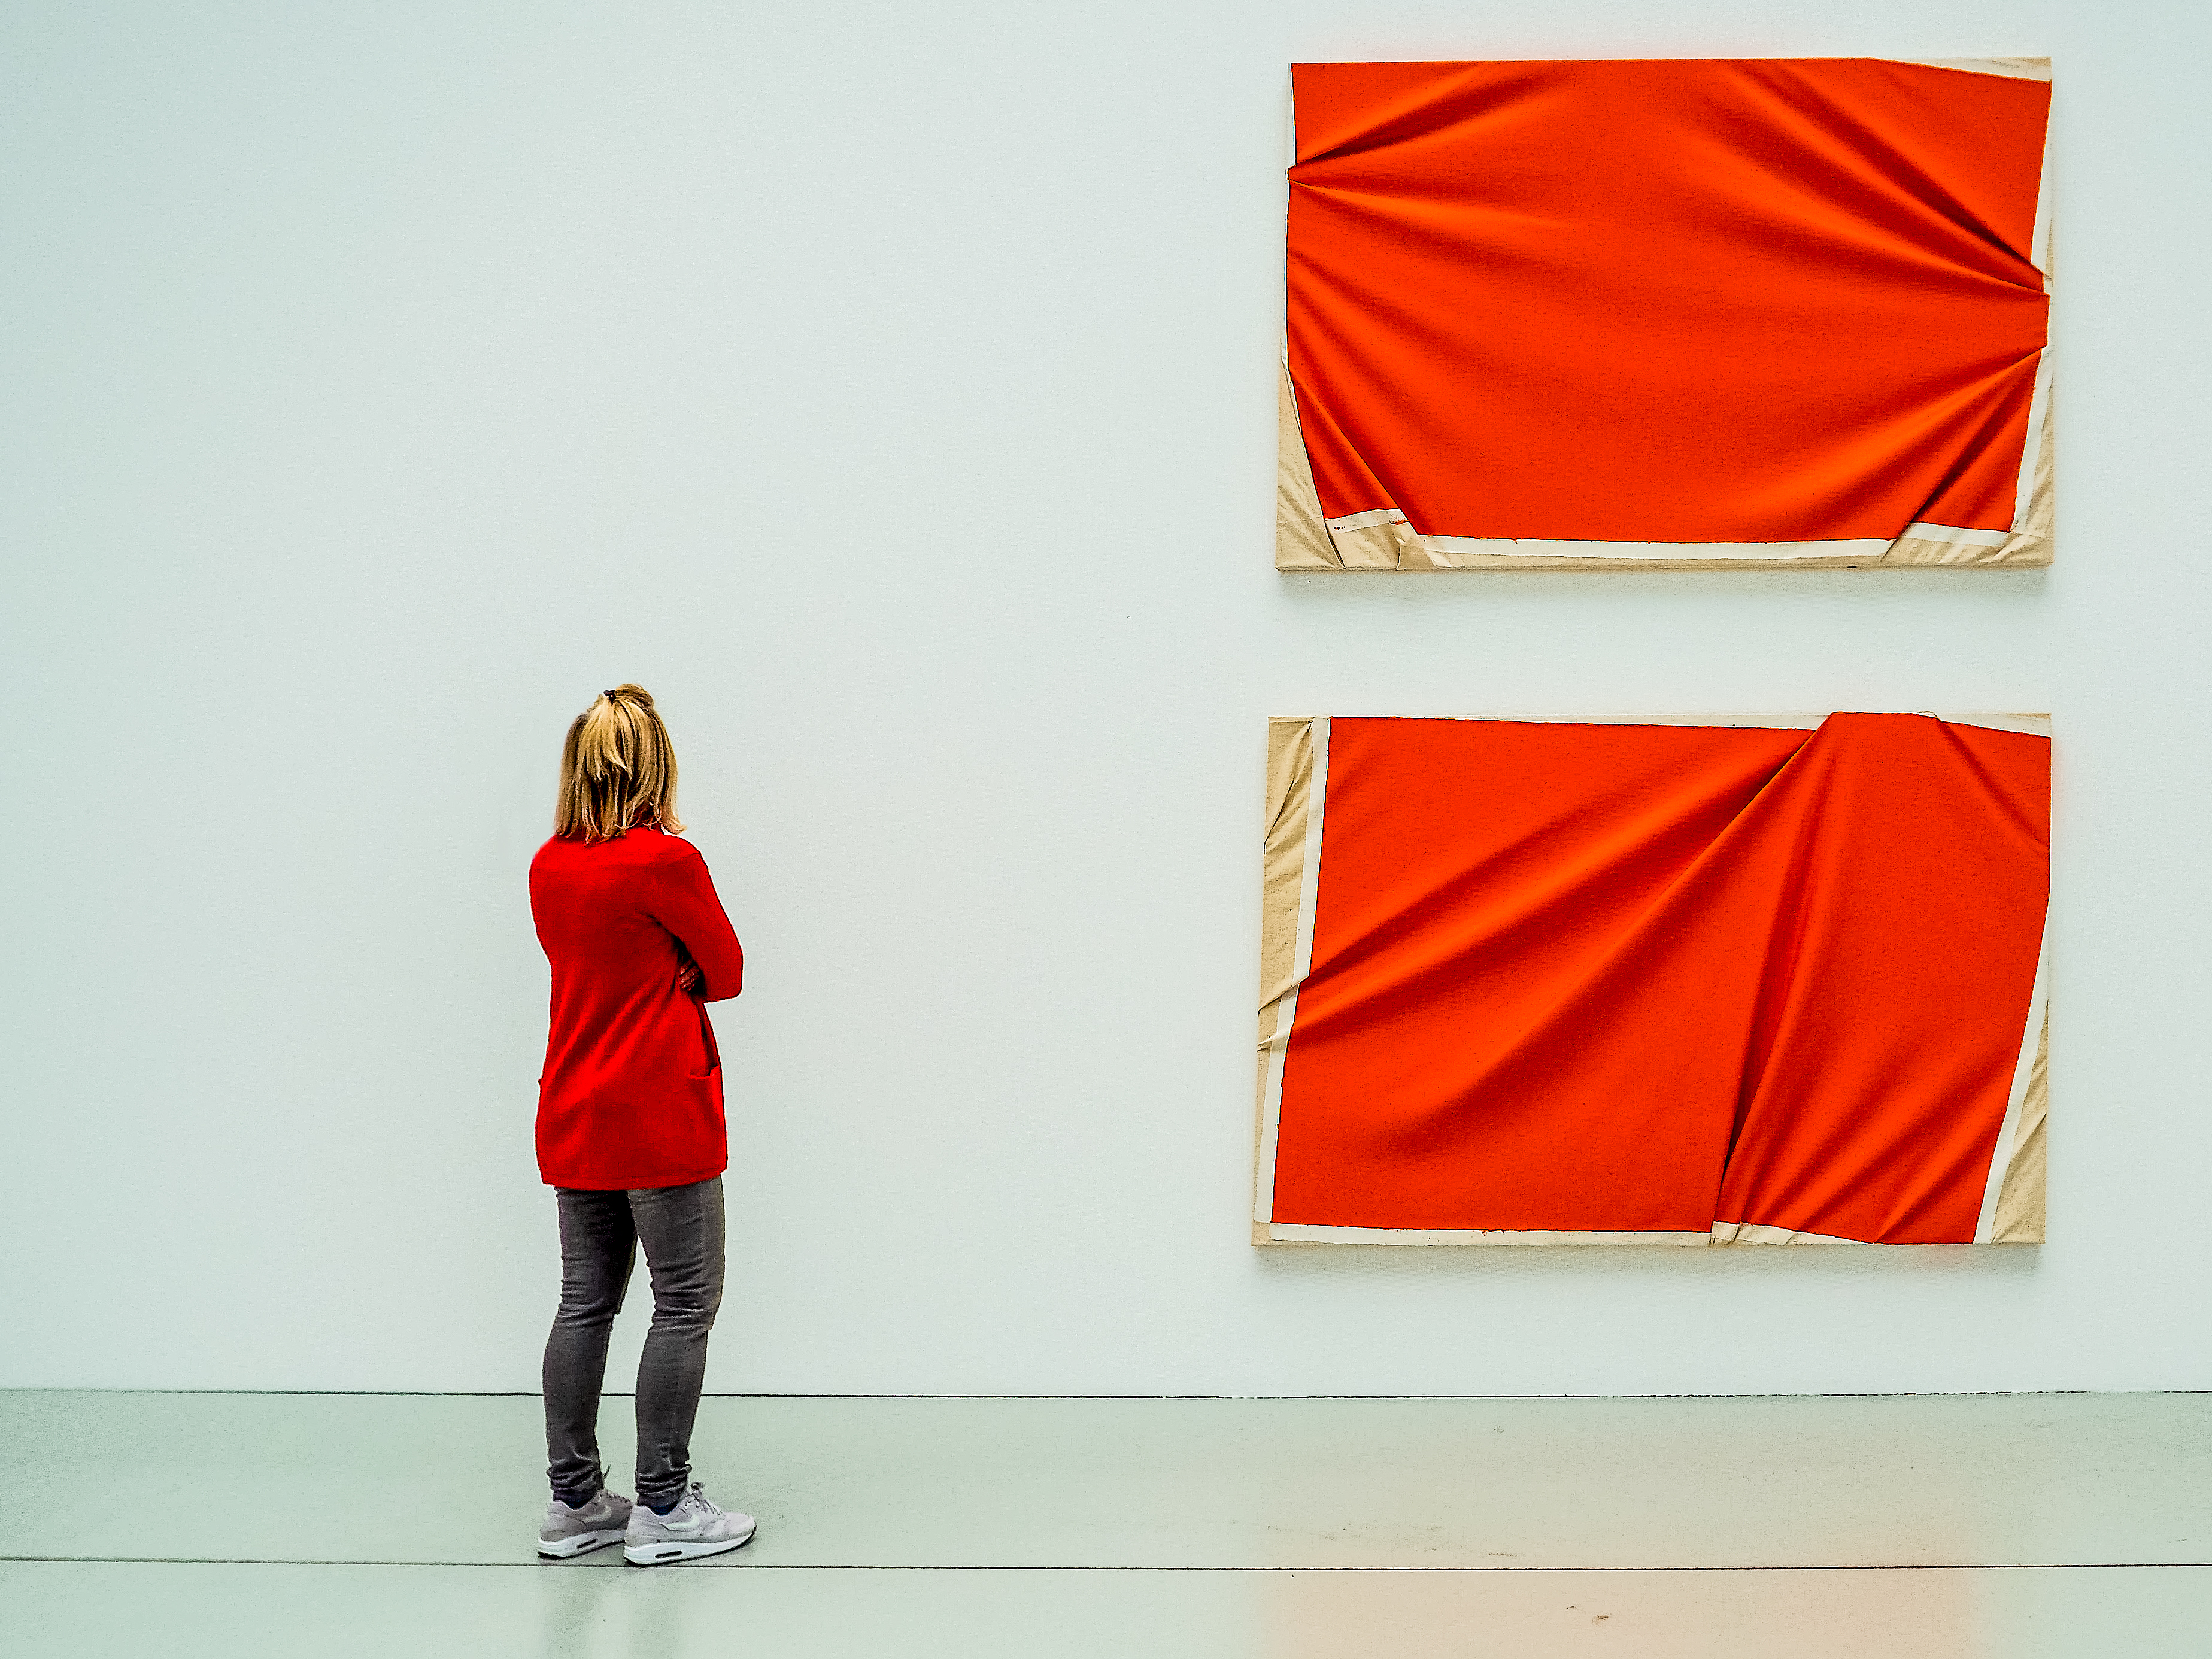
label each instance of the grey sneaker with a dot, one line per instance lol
(567, 1532)
(695, 1527)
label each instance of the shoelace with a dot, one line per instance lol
(698, 1495)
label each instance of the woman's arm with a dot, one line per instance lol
(684, 902)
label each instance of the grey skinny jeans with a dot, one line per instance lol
(681, 1228)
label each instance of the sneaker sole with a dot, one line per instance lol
(582, 1542)
(671, 1550)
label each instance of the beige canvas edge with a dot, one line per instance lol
(1291, 762)
(1297, 777)
(1281, 1234)
(2020, 1201)
(2014, 68)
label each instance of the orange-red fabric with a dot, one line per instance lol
(1620, 978)
(1763, 299)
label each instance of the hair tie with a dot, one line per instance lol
(609, 695)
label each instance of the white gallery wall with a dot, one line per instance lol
(891, 389)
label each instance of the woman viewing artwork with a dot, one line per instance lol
(629, 1128)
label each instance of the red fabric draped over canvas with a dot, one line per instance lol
(1636, 978)
(1729, 302)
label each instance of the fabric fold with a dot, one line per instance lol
(1607, 979)
(1668, 314)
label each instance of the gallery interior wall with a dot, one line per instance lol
(892, 390)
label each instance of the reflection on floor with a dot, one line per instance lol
(1877, 1528)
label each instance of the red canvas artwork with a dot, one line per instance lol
(1723, 311)
(1566, 982)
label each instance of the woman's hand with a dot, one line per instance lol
(687, 977)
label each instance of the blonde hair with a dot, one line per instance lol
(617, 769)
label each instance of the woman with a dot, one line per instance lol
(629, 1127)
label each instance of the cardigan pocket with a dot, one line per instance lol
(705, 1089)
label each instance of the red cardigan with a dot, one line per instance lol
(632, 1093)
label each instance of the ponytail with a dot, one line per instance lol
(617, 769)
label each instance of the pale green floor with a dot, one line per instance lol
(1877, 1528)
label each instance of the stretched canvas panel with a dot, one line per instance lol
(1767, 978)
(1688, 313)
